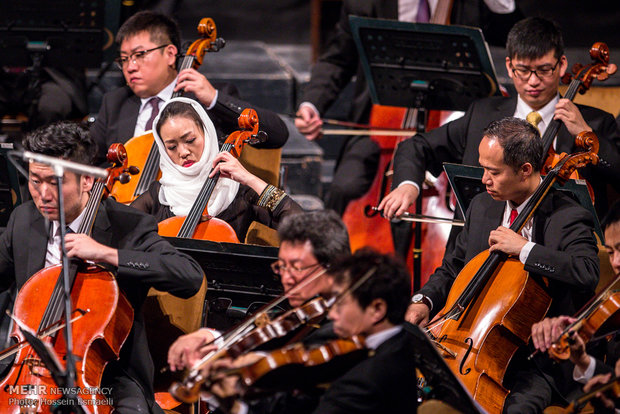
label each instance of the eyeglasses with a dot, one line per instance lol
(135, 57)
(279, 268)
(542, 72)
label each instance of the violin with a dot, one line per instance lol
(199, 224)
(600, 318)
(296, 366)
(580, 81)
(493, 303)
(578, 404)
(142, 149)
(101, 320)
(311, 312)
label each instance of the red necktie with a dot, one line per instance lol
(154, 102)
(513, 215)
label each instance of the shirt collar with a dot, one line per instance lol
(375, 340)
(74, 225)
(165, 95)
(546, 112)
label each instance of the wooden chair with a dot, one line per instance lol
(166, 318)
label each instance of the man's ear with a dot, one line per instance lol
(86, 182)
(526, 170)
(378, 310)
(171, 53)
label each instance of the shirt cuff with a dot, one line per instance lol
(525, 251)
(410, 182)
(214, 101)
(586, 375)
(311, 106)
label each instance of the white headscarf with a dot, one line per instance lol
(180, 185)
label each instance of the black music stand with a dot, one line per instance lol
(10, 188)
(423, 66)
(441, 383)
(466, 182)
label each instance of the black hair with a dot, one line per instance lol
(161, 28)
(534, 37)
(390, 281)
(612, 216)
(520, 141)
(324, 230)
(63, 139)
(179, 109)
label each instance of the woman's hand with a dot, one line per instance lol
(230, 167)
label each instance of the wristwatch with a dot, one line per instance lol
(420, 298)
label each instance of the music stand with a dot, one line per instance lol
(10, 189)
(466, 182)
(423, 66)
(441, 382)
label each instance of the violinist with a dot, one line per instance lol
(123, 239)
(371, 292)
(557, 243)
(149, 45)
(309, 244)
(535, 62)
(188, 148)
(544, 333)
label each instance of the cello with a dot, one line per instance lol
(580, 81)
(142, 149)
(198, 224)
(101, 320)
(493, 303)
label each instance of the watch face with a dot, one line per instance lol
(417, 298)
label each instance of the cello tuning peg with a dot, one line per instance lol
(259, 137)
(124, 178)
(218, 44)
(133, 170)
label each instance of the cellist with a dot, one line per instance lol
(188, 155)
(535, 62)
(149, 43)
(123, 239)
(557, 243)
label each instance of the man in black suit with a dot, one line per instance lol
(123, 240)
(357, 163)
(557, 243)
(149, 45)
(371, 297)
(535, 63)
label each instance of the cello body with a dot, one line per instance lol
(212, 229)
(487, 335)
(97, 337)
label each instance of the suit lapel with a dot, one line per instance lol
(387, 9)
(101, 229)
(506, 107)
(127, 122)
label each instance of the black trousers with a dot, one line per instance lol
(355, 172)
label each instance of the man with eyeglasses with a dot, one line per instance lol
(149, 47)
(535, 63)
(309, 243)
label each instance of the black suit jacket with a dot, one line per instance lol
(566, 252)
(145, 260)
(118, 114)
(340, 61)
(383, 383)
(458, 141)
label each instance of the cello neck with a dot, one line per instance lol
(187, 62)
(442, 12)
(195, 213)
(554, 125)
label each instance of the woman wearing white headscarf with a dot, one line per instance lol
(189, 155)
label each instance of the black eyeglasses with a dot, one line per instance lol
(135, 57)
(278, 268)
(542, 72)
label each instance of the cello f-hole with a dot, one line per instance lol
(469, 342)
